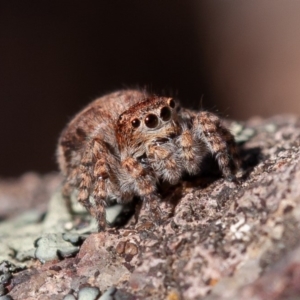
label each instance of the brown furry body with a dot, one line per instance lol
(122, 144)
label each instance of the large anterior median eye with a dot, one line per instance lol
(165, 113)
(151, 121)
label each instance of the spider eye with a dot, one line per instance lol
(135, 123)
(172, 103)
(165, 113)
(151, 121)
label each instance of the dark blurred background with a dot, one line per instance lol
(237, 58)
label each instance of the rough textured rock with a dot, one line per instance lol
(224, 240)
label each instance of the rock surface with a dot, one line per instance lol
(223, 241)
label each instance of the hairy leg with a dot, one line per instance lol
(165, 160)
(94, 180)
(136, 178)
(207, 128)
(191, 151)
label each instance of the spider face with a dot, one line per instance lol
(122, 144)
(148, 120)
(150, 114)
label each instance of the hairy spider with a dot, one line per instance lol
(122, 144)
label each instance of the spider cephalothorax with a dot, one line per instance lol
(124, 143)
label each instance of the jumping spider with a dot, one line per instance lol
(122, 144)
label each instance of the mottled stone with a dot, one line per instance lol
(109, 294)
(222, 240)
(7, 297)
(88, 293)
(52, 246)
(69, 297)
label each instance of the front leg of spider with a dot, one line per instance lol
(148, 210)
(208, 128)
(164, 160)
(141, 180)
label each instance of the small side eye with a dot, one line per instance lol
(151, 121)
(135, 123)
(165, 113)
(172, 103)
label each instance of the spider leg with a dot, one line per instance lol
(208, 128)
(141, 179)
(147, 210)
(136, 178)
(94, 179)
(191, 152)
(165, 161)
(66, 193)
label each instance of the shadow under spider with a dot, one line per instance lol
(250, 158)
